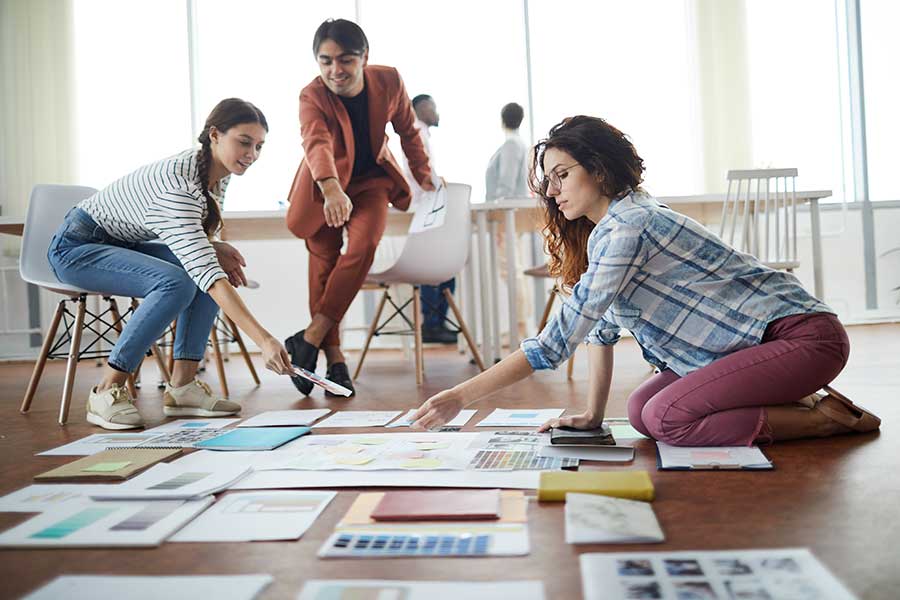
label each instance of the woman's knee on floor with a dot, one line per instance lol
(658, 420)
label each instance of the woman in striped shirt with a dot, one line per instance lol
(741, 349)
(107, 243)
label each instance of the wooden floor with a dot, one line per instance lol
(840, 497)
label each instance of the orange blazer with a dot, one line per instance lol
(329, 147)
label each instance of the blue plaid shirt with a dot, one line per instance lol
(687, 297)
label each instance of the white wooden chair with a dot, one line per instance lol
(759, 216)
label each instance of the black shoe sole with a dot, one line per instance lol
(304, 386)
(347, 383)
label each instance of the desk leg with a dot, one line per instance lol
(511, 277)
(483, 266)
(816, 232)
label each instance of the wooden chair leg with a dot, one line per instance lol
(465, 330)
(220, 366)
(171, 360)
(117, 325)
(73, 360)
(372, 327)
(42, 358)
(160, 357)
(240, 342)
(417, 326)
(547, 308)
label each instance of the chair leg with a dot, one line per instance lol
(160, 357)
(172, 351)
(240, 342)
(220, 366)
(547, 308)
(117, 325)
(570, 367)
(371, 333)
(74, 350)
(465, 330)
(417, 326)
(42, 358)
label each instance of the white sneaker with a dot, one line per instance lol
(113, 409)
(196, 400)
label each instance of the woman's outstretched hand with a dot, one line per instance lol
(276, 357)
(585, 420)
(438, 410)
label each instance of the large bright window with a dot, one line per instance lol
(132, 85)
(794, 96)
(881, 52)
(261, 53)
(629, 63)
(469, 55)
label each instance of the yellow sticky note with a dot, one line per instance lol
(353, 460)
(421, 463)
(106, 467)
(432, 445)
(370, 441)
(343, 449)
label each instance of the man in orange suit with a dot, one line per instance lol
(346, 180)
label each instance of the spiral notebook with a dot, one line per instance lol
(113, 464)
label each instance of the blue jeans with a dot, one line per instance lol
(434, 304)
(82, 253)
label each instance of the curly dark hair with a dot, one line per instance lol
(604, 152)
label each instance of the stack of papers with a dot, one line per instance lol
(593, 519)
(286, 418)
(186, 587)
(173, 482)
(713, 457)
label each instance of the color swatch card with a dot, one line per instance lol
(253, 438)
(50, 496)
(257, 516)
(286, 418)
(516, 460)
(186, 424)
(714, 457)
(369, 589)
(359, 418)
(173, 482)
(102, 524)
(182, 587)
(790, 573)
(520, 417)
(593, 519)
(442, 542)
(459, 420)
(116, 464)
(438, 505)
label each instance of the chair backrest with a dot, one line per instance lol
(435, 255)
(46, 210)
(759, 215)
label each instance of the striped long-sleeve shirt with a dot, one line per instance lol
(162, 200)
(686, 296)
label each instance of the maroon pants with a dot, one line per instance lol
(335, 278)
(723, 404)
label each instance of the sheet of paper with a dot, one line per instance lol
(182, 587)
(98, 442)
(104, 524)
(601, 453)
(286, 418)
(622, 429)
(595, 519)
(713, 457)
(372, 589)
(256, 516)
(750, 574)
(520, 441)
(431, 211)
(459, 420)
(170, 481)
(520, 417)
(42, 496)
(359, 418)
(183, 424)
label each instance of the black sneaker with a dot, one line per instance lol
(338, 373)
(304, 355)
(438, 335)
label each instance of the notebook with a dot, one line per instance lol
(601, 436)
(635, 485)
(253, 438)
(114, 464)
(438, 505)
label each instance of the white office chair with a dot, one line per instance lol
(761, 209)
(46, 210)
(429, 257)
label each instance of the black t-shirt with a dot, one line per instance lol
(364, 164)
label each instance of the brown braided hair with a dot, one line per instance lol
(604, 152)
(225, 115)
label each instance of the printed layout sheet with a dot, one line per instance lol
(286, 418)
(182, 587)
(102, 524)
(170, 481)
(734, 575)
(256, 516)
(459, 420)
(42, 497)
(371, 589)
(520, 417)
(359, 418)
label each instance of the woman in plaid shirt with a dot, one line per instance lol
(741, 349)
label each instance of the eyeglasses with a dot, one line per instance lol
(554, 178)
